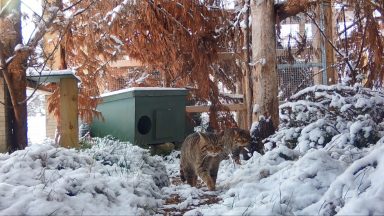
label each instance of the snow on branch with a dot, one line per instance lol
(113, 14)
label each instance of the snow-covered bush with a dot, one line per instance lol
(359, 190)
(109, 178)
(315, 115)
(128, 158)
(325, 159)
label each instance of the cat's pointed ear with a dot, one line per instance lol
(236, 132)
(201, 136)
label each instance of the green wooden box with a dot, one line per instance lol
(143, 116)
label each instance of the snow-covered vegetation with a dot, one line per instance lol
(325, 159)
(109, 178)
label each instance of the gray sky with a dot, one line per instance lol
(29, 7)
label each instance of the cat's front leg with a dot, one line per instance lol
(205, 176)
(236, 155)
(214, 169)
(191, 177)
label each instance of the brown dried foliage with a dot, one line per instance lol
(291, 8)
(180, 39)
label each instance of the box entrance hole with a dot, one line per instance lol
(144, 125)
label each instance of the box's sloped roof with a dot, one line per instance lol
(50, 75)
(142, 92)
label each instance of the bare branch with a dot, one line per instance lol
(40, 19)
(40, 34)
(350, 26)
(330, 42)
(38, 84)
(2, 11)
(73, 5)
(85, 9)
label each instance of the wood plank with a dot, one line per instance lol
(136, 63)
(200, 109)
(126, 63)
(69, 136)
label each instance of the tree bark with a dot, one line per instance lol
(264, 72)
(17, 87)
(14, 73)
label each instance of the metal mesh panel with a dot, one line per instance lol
(299, 63)
(293, 79)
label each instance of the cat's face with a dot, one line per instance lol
(214, 150)
(241, 137)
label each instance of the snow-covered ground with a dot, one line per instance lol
(326, 158)
(36, 129)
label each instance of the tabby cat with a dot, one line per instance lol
(201, 154)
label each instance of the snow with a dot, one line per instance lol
(318, 162)
(117, 40)
(256, 108)
(358, 189)
(140, 89)
(36, 128)
(261, 61)
(20, 47)
(46, 180)
(321, 161)
(33, 72)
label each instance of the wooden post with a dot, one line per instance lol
(3, 119)
(241, 115)
(319, 45)
(247, 82)
(50, 121)
(302, 25)
(69, 137)
(329, 53)
(318, 76)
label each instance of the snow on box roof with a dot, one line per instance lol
(143, 91)
(50, 75)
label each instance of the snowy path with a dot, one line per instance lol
(179, 196)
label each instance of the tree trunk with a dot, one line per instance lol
(17, 88)
(14, 74)
(264, 73)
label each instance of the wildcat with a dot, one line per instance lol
(201, 154)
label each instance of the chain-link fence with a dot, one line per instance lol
(299, 58)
